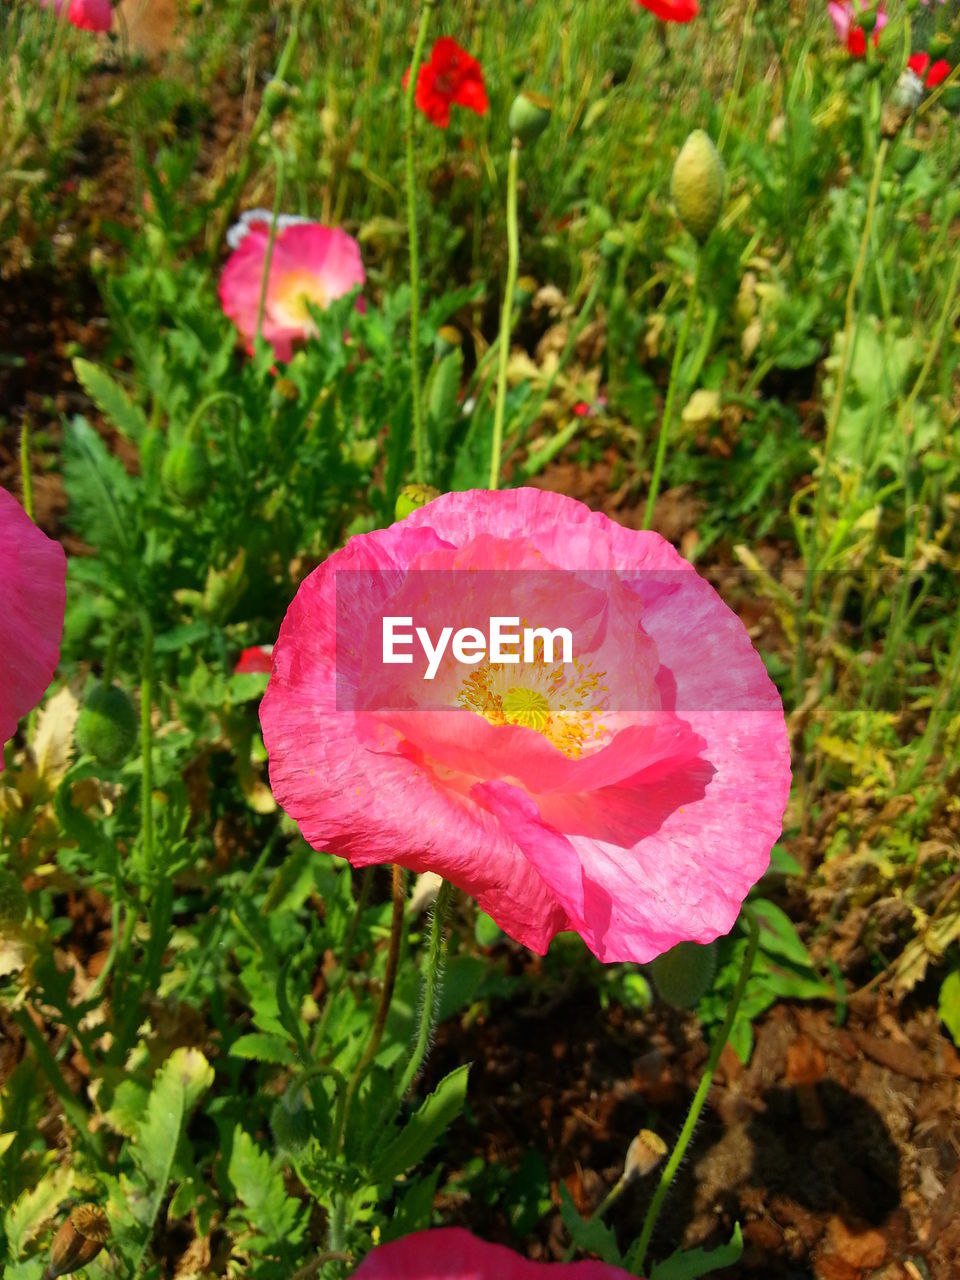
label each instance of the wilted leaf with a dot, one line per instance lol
(53, 741)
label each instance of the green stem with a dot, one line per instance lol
(72, 1109)
(432, 978)
(506, 316)
(419, 440)
(738, 76)
(672, 394)
(26, 473)
(271, 240)
(850, 329)
(146, 746)
(386, 997)
(700, 1097)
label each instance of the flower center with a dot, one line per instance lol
(291, 294)
(563, 703)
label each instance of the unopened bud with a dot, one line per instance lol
(868, 21)
(684, 973)
(950, 98)
(529, 115)
(644, 1154)
(449, 338)
(412, 496)
(78, 1241)
(186, 473)
(905, 158)
(276, 96)
(526, 288)
(697, 184)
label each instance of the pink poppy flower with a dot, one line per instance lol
(631, 793)
(88, 15)
(255, 660)
(33, 570)
(845, 16)
(310, 263)
(450, 1253)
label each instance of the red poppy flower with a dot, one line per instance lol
(672, 10)
(919, 64)
(451, 76)
(258, 658)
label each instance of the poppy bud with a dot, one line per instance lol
(644, 1154)
(13, 901)
(939, 44)
(684, 973)
(412, 496)
(529, 115)
(186, 473)
(526, 288)
(448, 339)
(950, 97)
(78, 1241)
(276, 96)
(107, 726)
(696, 185)
(867, 21)
(905, 158)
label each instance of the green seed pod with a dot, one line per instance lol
(868, 21)
(905, 158)
(186, 473)
(108, 725)
(13, 901)
(939, 44)
(950, 98)
(697, 185)
(276, 96)
(684, 973)
(78, 1241)
(412, 496)
(529, 115)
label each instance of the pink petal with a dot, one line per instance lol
(450, 1253)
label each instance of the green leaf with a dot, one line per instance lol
(29, 1214)
(690, 1264)
(111, 399)
(592, 1235)
(264, 1048)
(948, 1005)
(260, 1186)
(423, 1128)
(415, 1209)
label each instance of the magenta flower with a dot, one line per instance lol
(88, 15)
(310, 263)
(256, 660)
(845, 16)
(33, 570)
(632, 794)
(450, 1253)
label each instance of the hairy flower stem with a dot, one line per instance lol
(26, 473)
(416, 391)
(432, 978)
(241, 170)
(700, 1097)
(386, 996)
(271, 239)
(672, 394)
(513, 259)
(850, 328)
(146, 747)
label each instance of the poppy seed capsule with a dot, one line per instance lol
(529, 115)
(186, 473)
(78, 1241)
(412, 496)
(13, 901)
(697, 184)
(684, 973)
(107, 726)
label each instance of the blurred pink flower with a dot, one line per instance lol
(845, 15)
(632, 795)
(310, 263)
(450, 1253)
(88, 15)
(33, 570)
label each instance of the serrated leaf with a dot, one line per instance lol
(260, 1186)
(415, 1209)
(423, 1128)
(30, 1212)
(690, 1264)
(593, 1235)
(111, 399)
(102, 496)
(52, 743)
(260, 1047)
